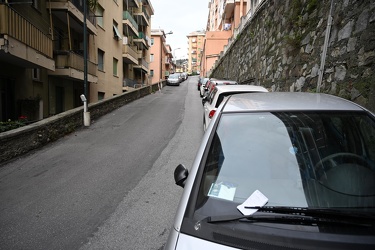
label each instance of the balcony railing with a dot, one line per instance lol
(127, 16)
(14, 25)
(126, 49)
(143, 63)
(69, 59)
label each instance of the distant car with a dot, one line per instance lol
(184, 76)
(214, 99)
(202, 89)
(174, 79)
(212, 82)
(280, 170)
(199, 83)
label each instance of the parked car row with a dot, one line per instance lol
(177, 78)
(278, 170)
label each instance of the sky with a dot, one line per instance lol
(181, 17)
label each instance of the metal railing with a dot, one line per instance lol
(127, 16)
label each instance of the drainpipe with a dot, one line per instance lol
(324, 54)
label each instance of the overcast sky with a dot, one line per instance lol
(181, 17)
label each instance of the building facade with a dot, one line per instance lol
(195, 49)
(42, 52)
(161, 58)
(224, 19)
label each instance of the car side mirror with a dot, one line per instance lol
(180, 175)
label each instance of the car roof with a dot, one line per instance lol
(288, 101)
(220, 81)
(236, 87)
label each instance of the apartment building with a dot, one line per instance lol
(224, 18)
(161, 58)
(42, 66)
(195, 48)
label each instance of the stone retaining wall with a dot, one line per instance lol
(19, 141)
(281, 46)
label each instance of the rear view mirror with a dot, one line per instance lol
(180, 175)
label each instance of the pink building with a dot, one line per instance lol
(224, 18)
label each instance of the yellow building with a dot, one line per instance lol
(42, 53)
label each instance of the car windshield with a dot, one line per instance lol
(298, 159)
(174, 76)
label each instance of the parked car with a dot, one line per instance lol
(199, 83)
(184, 76)
(202, 88)
(215, 97)
(174, 79)
(212, 82)
(280, 170)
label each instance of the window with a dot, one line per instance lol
(100, 60)
(101, 96)
(99, 15)
(151, 72)
(116, 32)
(36, 74)
(115, 64)
(151, 57)
(152, 41)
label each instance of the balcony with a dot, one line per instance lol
(142, 41)
(141, 16)
(130, 26)
(70, 64)
(142, 65)
(129, 55)
(228, 9)
(133, 3)
(166, 60)
(75, 9)
(23, 44)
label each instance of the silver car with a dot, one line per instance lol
(174, 79)
(280, 171)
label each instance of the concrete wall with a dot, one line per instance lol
(19, 141)
(282, 44)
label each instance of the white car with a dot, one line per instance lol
(217, 95)
(280, 170)
(202, 89)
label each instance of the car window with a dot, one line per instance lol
(211, 95)
(295, 159)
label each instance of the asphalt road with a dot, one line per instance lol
(108, 186)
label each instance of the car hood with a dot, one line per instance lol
(186, 242)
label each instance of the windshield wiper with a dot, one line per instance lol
(319, 212)
(299, 215)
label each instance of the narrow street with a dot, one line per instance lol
(109, 186)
